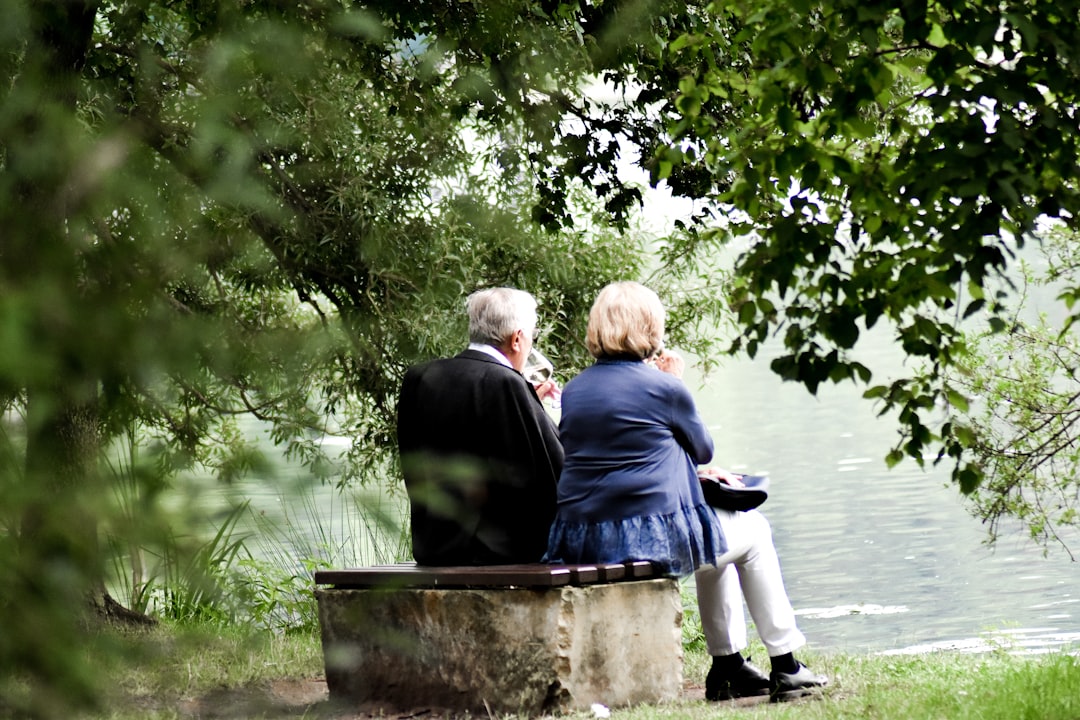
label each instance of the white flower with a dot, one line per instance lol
(600, 711)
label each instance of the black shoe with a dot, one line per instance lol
(747, 681)
(788, 686)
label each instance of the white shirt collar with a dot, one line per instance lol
(493, 352)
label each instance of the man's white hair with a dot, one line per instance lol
(496, 313)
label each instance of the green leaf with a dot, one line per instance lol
(974, 307)
(876, 393)
(957, 400)
(894, 458)
(747, 313)
(964, 435)
(969, 479)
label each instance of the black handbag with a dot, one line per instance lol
(727, 497)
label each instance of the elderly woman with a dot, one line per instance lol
(629, 490)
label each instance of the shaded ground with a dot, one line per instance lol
(308, 698)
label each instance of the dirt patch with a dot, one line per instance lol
(295, 698)
(308, 698)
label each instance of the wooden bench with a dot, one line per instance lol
(533, 575)
(527, 639)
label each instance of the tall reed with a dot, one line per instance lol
(315, 528)
(249, 566)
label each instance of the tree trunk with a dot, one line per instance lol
(58, 543)
(59, 526)
(62, 429)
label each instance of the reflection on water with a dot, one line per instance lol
(877, 559)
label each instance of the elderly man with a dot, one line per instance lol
(479, 454)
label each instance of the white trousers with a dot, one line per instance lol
(750, 569)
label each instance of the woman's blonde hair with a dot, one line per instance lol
(626, 319)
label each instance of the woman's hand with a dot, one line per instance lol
(723, 476)
(670, 362)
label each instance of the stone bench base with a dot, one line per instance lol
(513, 649)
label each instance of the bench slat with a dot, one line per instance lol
(530, 575)
(641, 569)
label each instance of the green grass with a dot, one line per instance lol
(168, 669)
(949, 686)
(165, 668)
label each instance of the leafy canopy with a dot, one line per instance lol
(887, 160)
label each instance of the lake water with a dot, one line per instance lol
(876, 559)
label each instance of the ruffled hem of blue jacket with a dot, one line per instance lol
(679, 542)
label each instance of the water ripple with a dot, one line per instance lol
(1020, 641)
(842, 610)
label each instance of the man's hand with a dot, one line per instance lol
(548, 389)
